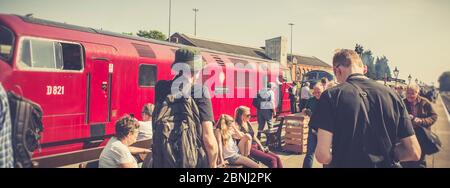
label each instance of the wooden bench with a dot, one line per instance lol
(95, 163)
(89, 164)
(78, 157)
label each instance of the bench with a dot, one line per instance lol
(140, 158)
(76, 157)
(89, 164)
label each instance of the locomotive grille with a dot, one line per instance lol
(144, 50)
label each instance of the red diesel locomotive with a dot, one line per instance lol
(85, 79)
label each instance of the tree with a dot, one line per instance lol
(375, 71)
(444, 81)
(368, 59)
(127, 33)
(151, 34)
(382, 68)
(359, 49)
(388, 71)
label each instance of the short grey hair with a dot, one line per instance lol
(413, 87)
(318, 85)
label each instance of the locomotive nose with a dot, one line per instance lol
(5, 70)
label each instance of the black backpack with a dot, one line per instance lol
(258, 99)
(177, 132)
(26, 119)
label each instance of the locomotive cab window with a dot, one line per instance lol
(6, 43)
(51, 55)
(147, 75)
(72, 56)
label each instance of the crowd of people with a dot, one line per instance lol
(362, 123)
(231, 142)
(356, 123)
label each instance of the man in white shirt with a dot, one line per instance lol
(304, 96)
(145, 130)
(267, 108)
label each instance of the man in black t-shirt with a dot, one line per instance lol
(345, 136)
(188, 63)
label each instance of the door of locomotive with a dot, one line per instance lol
(99, 87)
(100, 90)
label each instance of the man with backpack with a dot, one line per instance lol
(183, 117)
(362, 124)
(265, 106)
(20, 126)
(6, 149)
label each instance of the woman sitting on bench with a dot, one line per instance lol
(226, 133)
(258, 151)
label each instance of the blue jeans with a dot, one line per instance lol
(312, 142)
(264, 117)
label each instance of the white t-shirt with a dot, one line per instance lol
(230, 150)
(145, 130)
(114, 154)
(306, 93)
(267, 94)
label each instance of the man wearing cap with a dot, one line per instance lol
(188, 65)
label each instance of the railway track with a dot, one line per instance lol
(446, 100)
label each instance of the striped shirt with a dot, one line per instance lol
(6, 150)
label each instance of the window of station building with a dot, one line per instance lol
(46, 54)
(147, 75)
(6, 43)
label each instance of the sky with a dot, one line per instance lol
(413, 34)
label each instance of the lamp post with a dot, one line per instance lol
(195, 21)
(409, 79)
(170, 12)
(396, 72)
(291, 24)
